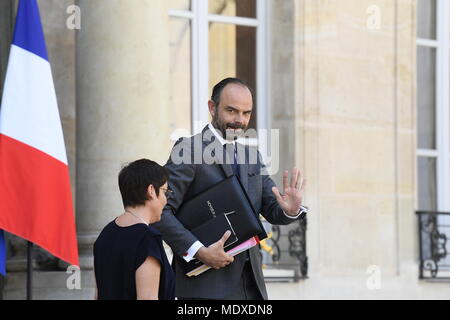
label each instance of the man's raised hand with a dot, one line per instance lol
(292, 197)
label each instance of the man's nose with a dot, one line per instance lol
(239, 119)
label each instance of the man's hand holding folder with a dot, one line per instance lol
(215, 255)
(250, 243)
(223, 211)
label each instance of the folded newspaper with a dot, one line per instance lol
(235, 251)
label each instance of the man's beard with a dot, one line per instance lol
(222, 127)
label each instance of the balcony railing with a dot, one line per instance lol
(284, 252)
(434, 234)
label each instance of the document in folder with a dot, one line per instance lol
(224, 206)
(250, 243)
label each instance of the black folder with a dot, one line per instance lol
(224, 206)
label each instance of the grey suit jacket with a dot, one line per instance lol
(195, 175)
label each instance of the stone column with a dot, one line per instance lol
(122, 104)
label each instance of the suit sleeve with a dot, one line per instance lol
(181, 170)
(270, 209)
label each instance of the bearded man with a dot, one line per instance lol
(203, 165)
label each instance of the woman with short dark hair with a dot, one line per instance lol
(129, 258)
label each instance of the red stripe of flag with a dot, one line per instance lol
(29, 182)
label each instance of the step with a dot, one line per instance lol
(54, 285)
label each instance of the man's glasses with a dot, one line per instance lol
(167, 192)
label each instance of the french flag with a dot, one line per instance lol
(35, 195)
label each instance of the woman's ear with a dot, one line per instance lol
(151, 192)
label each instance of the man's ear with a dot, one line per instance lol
(212, 108)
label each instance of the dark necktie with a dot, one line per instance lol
(231, 149)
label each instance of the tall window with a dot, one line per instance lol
(214, 39)
(433, 103)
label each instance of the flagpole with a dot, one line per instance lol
(30, 271)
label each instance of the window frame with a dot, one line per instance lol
(200, 18)
(442, 95)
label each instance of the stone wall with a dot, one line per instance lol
(355, 139)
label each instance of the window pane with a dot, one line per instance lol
(180, 73)
(426, 19)
(232, 53)
(180, 4)
(426, 97)
(235, 8)
(427, 184)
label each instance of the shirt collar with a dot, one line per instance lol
(218, 135)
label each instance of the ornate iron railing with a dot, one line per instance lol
(284, 252)
(434, 234)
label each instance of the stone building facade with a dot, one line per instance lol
(337, 78)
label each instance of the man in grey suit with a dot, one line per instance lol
(199, 162)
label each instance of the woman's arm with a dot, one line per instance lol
(147, 279)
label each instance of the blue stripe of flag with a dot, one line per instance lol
(2, 254)
(28, 33)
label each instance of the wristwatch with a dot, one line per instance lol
(303, 211)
